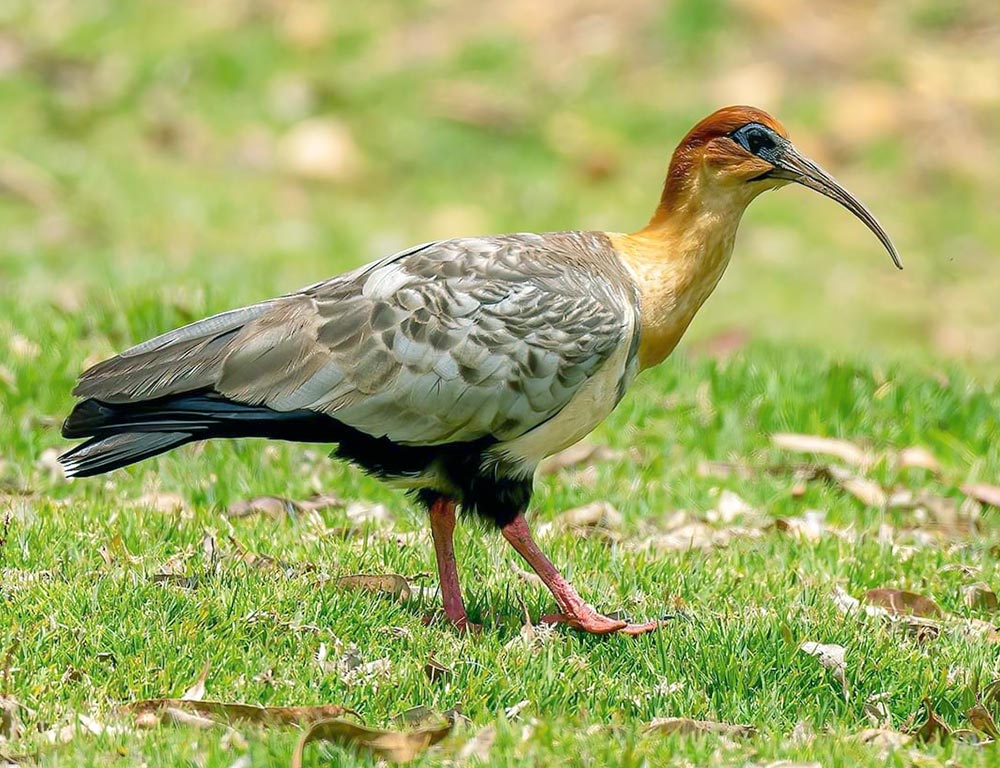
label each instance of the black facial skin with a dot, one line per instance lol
(760, 140)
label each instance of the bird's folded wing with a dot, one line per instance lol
(451, 341)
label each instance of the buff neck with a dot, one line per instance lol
(679, 258)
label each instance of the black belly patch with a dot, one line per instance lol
(490, 494)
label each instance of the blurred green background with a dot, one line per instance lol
(177, 158)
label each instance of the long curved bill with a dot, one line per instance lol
(794, 167)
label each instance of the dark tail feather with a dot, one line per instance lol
(102, 454)
(124, 433)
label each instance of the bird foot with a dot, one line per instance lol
(461, 623)
(596, 624)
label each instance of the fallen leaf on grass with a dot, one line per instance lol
(478, 747)
(391, 584)
(277, 507)
(66, 733)
(350, 667)
(983, 493)
(162, 502)
(729, 507)
(696, 535)
(579, 455)
(10, 722)
(923, 628)
(866, 491)
(599, 518)
(933, 728)
(361, 512)
(885, 739)
(831, 656)
(916, 457)
(197, 691)
(685, 726)
(982, 720)
(810, 527)
(181, 717)
(225, 711)
(394, 746)
(841, 449)
(902, 603)
(257, 560)
(980, 597)
(435, 670)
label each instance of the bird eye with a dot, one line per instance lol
(754, 138)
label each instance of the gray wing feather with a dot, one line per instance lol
(449, 341)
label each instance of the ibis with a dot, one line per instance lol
(452, 368)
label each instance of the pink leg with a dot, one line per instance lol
(575, 611)
(443, 530)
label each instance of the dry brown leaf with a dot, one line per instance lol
(599, 518)
(178, 716)
(435, 670)
(350, 667)
(272, 506)
(226, 711)
(685, 726)
(867, 491)
(841, 449)
(277, 507)
(161, 502)
(477, 749)
(916, 457)
(810, 527)
(980, 597)
(982, 720)
(197, 691)
(578, 456)
(831, 656)
(10, 722)
(983, 493)
(362, 512)
(932, 728)
(902, 603)
(263, 562)
(729, 507)
(394, 746)
(696, 535)
(883, 738)
(391, 584)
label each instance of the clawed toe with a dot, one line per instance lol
(596, 624)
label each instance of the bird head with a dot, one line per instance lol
(736, 153)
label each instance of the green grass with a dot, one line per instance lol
(143, 187)
(93, 635)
